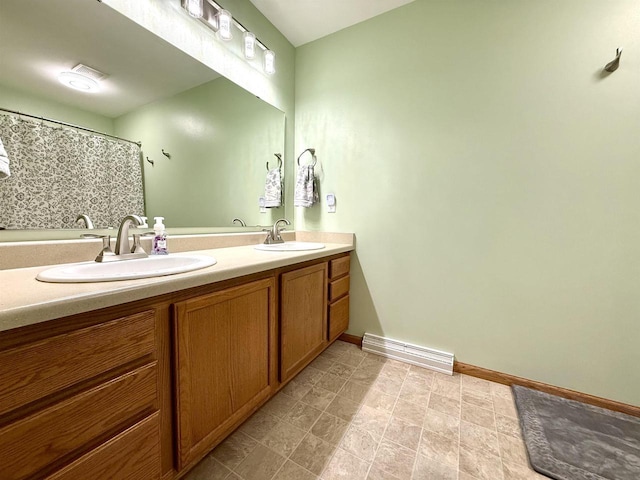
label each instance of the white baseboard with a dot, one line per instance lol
(406, 352)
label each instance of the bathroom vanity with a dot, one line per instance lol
(159, 371)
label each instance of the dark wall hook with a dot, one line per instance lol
(168, 155)
(613, 65)
(150, 161)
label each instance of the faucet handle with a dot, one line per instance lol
(270, 239)
(137, 248)
(106, 251)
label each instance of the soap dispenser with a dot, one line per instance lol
(159, 246)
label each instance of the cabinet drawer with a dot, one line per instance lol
(338, 288)
(36, 441)
(338, 317)
(33, 371)
(339, 267)
(134, 454)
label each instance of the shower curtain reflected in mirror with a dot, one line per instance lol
(58, 173)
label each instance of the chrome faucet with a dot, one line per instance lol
(274, 232)
(85, 218)
(123, 250)
(122, 242)
(240, 221)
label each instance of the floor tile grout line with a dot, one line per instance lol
(459, 431)
(307, 432)
(495, 422)
(375, 454)
(348, 425)
(337, 446)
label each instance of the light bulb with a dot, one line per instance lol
(195, 8)
(224, 25)
(249, 45)
(269, 62)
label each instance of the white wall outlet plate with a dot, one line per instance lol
(331, 203)
(261, 203)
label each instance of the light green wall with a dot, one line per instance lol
(491, 175)
(219, 137)
(26, 103)
(167, 20)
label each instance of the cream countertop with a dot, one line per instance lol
(26, 301)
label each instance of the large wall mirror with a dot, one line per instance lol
(206, 143)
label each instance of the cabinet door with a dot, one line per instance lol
(224, 363)
(303, 318)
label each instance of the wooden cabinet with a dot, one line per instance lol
(303, 317)
(66, 398)
(225, 359)
(144, 390)
(339, 284)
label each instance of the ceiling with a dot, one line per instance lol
(303, 21)
(39, 39)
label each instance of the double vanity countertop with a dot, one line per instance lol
(26, 301)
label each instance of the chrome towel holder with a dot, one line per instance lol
(312, 151)
(279, 157)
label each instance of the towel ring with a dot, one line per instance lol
(313, 154)
(279, 157)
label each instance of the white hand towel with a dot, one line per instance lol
(306, 193)
(273, 189)
(4, 162)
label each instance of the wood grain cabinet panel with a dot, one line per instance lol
(132, 455)
(47, 436)
(339, 267)
(303, 317)
(339, 288)
(338, 317)
(33, 371)
(224, 363)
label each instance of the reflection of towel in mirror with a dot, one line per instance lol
(4, 162)
(306, 193)
(273, 189)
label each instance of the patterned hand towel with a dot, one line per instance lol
(273, 189)
(306, 193)
(4, 162)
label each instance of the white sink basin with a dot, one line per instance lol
(153, 266)
(290, 246)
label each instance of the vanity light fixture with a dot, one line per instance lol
(249, 45)
(195, 8)
(225, 20)
(221, 21)
(269, 62)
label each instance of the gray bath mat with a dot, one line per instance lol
(569, 440)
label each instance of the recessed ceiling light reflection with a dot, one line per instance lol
(78, 81)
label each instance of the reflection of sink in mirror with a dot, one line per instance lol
(153, 266)
(290, 246)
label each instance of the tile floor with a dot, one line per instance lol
(353, 415)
